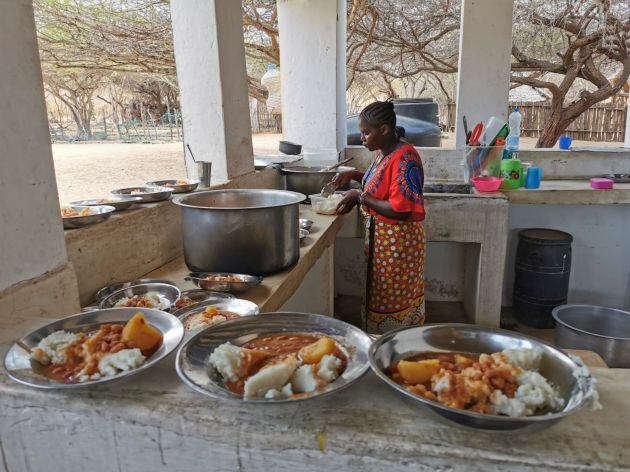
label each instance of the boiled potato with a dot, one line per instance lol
(418, 372)
(313, 353)
(141, 335)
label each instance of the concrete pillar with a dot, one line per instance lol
(32, 240)
(626, 142)
(210, 59)
(485, 44)
(313, 72)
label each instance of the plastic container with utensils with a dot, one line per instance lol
(482, 161)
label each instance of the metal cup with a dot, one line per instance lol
(204, 171)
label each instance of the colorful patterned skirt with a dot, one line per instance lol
(395, 276)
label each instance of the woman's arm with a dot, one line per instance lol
(344, 178)
(383, 207)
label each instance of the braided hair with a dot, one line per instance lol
(382, 113)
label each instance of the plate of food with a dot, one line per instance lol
(119, 203)
(223, 281)
(93, 348)
(158, 296)
(192, 297)
(212, 312)
(274, 358)
(149, 194)
(77, 216)
(481, 377)
(178, 186)
(106, 291)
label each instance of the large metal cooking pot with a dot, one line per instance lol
(307, 180)
(247, 231)
(605, 331)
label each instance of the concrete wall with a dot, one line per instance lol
(311, 74)
(600, 266)
(31, 234)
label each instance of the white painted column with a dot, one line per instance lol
(313, 72)
(485, 44)
(210, 59)
(626, 142)
(32, 240)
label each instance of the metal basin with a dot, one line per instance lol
(307, 180)
(605, 331)
(556, 366)
(244, 231)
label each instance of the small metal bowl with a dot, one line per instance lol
(97, 214)
(556, 366)
(245, 281)
(106, 291)
(303, 234)
(119, 203)
(189, 186)
(167, 293)
(192, 358)
(20, 368)
(147, 194)
(199, 295)
(306, 224)
(234, 305)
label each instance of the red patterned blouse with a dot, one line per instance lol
(398, 178)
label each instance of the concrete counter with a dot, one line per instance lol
(155, 423)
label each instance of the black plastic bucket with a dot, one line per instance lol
(543, 267)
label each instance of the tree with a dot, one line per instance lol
(591, 41)
(75, 89)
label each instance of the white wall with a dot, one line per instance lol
(600, 266)
(485, 44)
(31, 234)
(313, 80)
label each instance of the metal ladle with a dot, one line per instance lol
(330, 187)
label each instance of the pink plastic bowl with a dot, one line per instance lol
(487, 184)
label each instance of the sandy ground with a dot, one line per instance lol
(92, 170)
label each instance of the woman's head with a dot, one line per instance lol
(377, 124)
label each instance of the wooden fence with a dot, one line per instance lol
(602, 122)
(263, 121)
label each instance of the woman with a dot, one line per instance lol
(392, 204)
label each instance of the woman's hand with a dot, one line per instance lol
(350, 199)
(343, 178)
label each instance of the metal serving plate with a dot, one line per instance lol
(192, 358)
(235, 305)
(119, 203)
(245, 281)
(189, 186)
(167, 293)
(106, 291)
(18, 364)
(98, 213)
(306, 224)
(147, 194)
(200, 295)
(303, 234)
(556, 367)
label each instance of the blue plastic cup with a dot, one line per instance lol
(565, 142)
(534, 176)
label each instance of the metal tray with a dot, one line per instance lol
(235, 305)
(150, 194)
(119, 203)
(18, 364)
(106, 291)
(167, 293)
(98, 213)
(556, 366)
(199, 295)
(192, 358)
(177, 188)
(245, 281)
